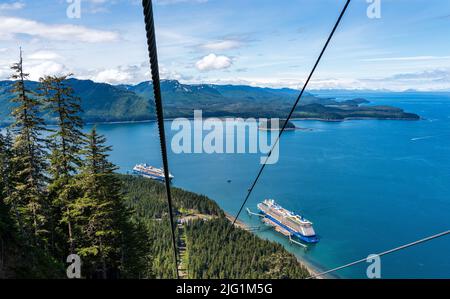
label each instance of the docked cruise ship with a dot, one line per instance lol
(150, 172)
(286, 222)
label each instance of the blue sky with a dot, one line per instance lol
(255, 42)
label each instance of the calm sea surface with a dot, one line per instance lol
(367, 185)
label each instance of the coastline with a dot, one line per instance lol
(312, 269)
(2, 125)
(289, 129)
(294, 118)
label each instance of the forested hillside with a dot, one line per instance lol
(101, 102)
(243, 256)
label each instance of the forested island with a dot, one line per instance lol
(101, 102)
(60, 195)
(276, 124)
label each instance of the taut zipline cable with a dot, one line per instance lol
(151, 41)
(384, 253)
(250, 190)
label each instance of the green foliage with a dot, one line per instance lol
(23, 237)
(6, 226)
(148, 199)
(243, 256)
(65, 108)
(99, 216)
(29, 179)
(65, 145)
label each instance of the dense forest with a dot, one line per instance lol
(208, 255)
(60, 195)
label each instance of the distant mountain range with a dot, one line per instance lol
(103, 102)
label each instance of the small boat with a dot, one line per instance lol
(150, 172)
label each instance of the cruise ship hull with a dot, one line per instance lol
(149, 176)
(307, 239)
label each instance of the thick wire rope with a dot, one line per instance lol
(151, 41)
(250, 190)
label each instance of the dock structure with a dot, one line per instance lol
(252, 213)
(298, 243)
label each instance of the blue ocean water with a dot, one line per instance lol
(367, 185)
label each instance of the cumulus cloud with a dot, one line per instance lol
(113, 76)
(131, 74)
(213, 62)
(10, 26)
(45, 68)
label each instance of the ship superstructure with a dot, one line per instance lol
(286, 222)
(150, 172)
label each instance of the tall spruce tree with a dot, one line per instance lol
(65, 144)
(29, 179)
(100, 214)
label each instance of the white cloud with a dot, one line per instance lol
(124, 74)
(213, 62)
(222, 45)
(130, 74)
(45, 68)
(436, 79)
(44, 55)
(12, 6)
(10, 26)
(113, 76)
(429, 80)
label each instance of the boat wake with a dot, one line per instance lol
(422, 138)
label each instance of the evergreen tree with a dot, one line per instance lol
(5, 164)
(29, 180)
(66, 140)
(5, 184)
(100, 214)
(65, 145)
